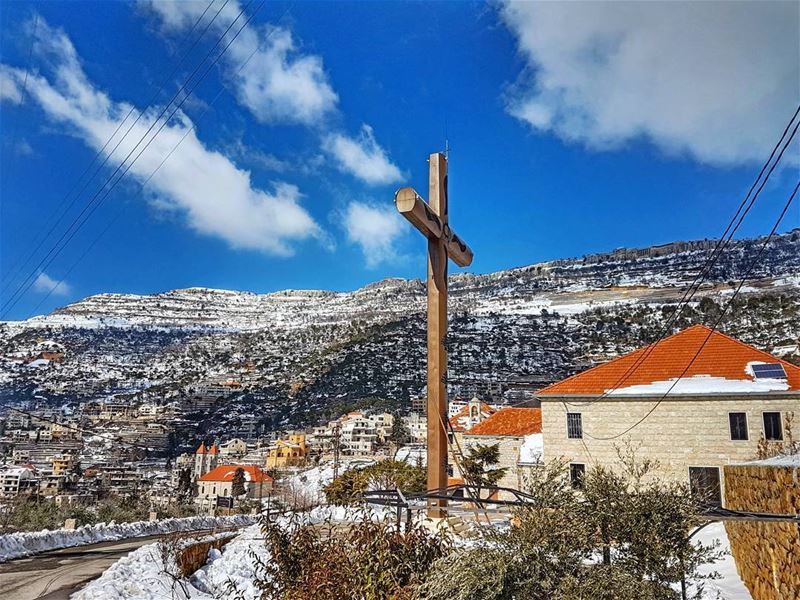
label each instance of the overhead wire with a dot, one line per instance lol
(716, 253)
(66, 207)
(29, 280)
(193, 127)
(94, 202)
(713, 329)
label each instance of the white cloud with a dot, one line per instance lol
(215, 196)
(9, 90)
(23, 148)
(715, 80)
(362, 157)
(279, 83)
(375, 229)
(47, 285)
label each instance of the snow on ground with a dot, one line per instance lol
(702, 384)
(147, 574)
(234, 567)
(142, 575)
(730, 585)
(313, 480)
(231, 573)
(532, 448)
(16, 545)
(413, 455)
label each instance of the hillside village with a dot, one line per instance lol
(133, 428)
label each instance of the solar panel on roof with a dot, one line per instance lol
(769, 371)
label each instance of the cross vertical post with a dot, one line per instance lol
(431, 219)
(437, 330)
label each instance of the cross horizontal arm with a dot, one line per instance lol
(416, 210)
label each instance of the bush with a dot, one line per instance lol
(551, 550)
(365, 561)
(350, 486)
(33, 514)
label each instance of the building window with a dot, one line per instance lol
(577, 472)
(772, 426)
(738, 423)
(705, 486)
(574, 426)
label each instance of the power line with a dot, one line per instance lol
(94, 201)
(23, 288)
(193, 127)
(53, 223)
(716, 253)
(716, 323)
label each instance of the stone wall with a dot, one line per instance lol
(194, 556)
(767, 554)
(681, 432)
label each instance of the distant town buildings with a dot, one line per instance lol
(291, 451)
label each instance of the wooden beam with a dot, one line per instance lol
(457, 249)
(414, 208)
(437, 330)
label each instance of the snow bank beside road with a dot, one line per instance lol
(142, 575)
(17, 545)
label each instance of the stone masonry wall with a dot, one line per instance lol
(767, 554)
(681, 432)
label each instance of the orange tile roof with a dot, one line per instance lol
(227, 472)
(213, 449)
(515, 422)
(201, 449)
(722, 356)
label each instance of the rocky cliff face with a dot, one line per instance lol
(304, 354)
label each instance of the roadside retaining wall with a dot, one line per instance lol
(193, 556)
(767, 554)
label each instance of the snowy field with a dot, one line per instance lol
(17, 545)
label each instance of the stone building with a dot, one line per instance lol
(518, 434)
(694, 402)
(219, 483)
(206, 458)
(291, 451)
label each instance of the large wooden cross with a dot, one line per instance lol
(431, 220)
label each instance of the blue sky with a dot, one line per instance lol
(573, 128)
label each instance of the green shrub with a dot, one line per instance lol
(362, 561)
(350, 486)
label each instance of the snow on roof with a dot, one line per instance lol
(723, 365)
(517, 422)
(227, 473)
(532, 449)
(702, 384)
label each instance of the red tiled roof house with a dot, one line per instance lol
(518, 435)
(694, 402)
(219, 482)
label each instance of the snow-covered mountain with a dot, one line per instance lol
(302, 355)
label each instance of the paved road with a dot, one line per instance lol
(57, 574)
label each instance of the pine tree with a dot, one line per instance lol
(399, 434)
(477, 466)
(237, 487)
